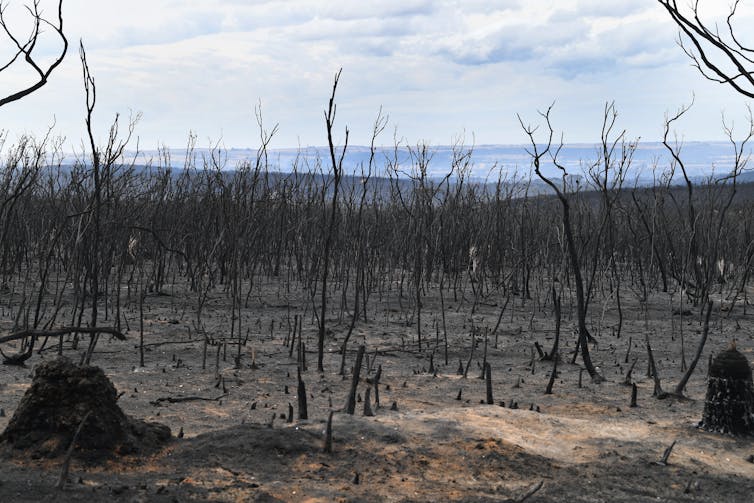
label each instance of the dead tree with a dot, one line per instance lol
(24, 48)
(103, 161)
(690, 370)
(705, 224)
(351, 403)
(607, 175)
(419, 205)
(360, 236)
(539, 153)
(337, 171)
(718, 54)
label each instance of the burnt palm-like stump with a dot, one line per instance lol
(729, 406)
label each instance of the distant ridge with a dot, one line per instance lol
(380, 185)
(651, 159)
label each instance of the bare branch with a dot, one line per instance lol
(62, 331)
(717, 59)
(26, 49)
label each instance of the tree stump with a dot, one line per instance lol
(59, 398)
(729, 405)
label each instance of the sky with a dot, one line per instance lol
(441, 71)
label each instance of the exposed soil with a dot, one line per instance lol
(582, 443)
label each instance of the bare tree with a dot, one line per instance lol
(337, 172)
(360, 235)
(720, 56)
(102, 166)
(24, 48)
(540, 153)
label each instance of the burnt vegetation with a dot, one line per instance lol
(367, 272)
(88, 244)
(586, 273)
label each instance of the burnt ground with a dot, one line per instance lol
(581, 443)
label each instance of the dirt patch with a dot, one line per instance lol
(470, 454)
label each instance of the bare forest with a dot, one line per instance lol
(311, 333)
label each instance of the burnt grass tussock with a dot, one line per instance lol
(63, 396)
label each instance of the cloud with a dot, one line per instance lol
(469, 33)
(437, 67)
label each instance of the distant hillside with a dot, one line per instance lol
(488, 162)
(510, 164)
(380, 186)
(747, 177)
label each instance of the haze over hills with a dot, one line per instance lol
(487, 162)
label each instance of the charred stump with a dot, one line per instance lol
(729, 405)
(58, 401)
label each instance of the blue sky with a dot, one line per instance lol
(439, 69)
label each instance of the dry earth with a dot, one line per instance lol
(581, 443)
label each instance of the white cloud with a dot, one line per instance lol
(437, 67)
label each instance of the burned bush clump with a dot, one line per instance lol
(59, 399)
(729, 405)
